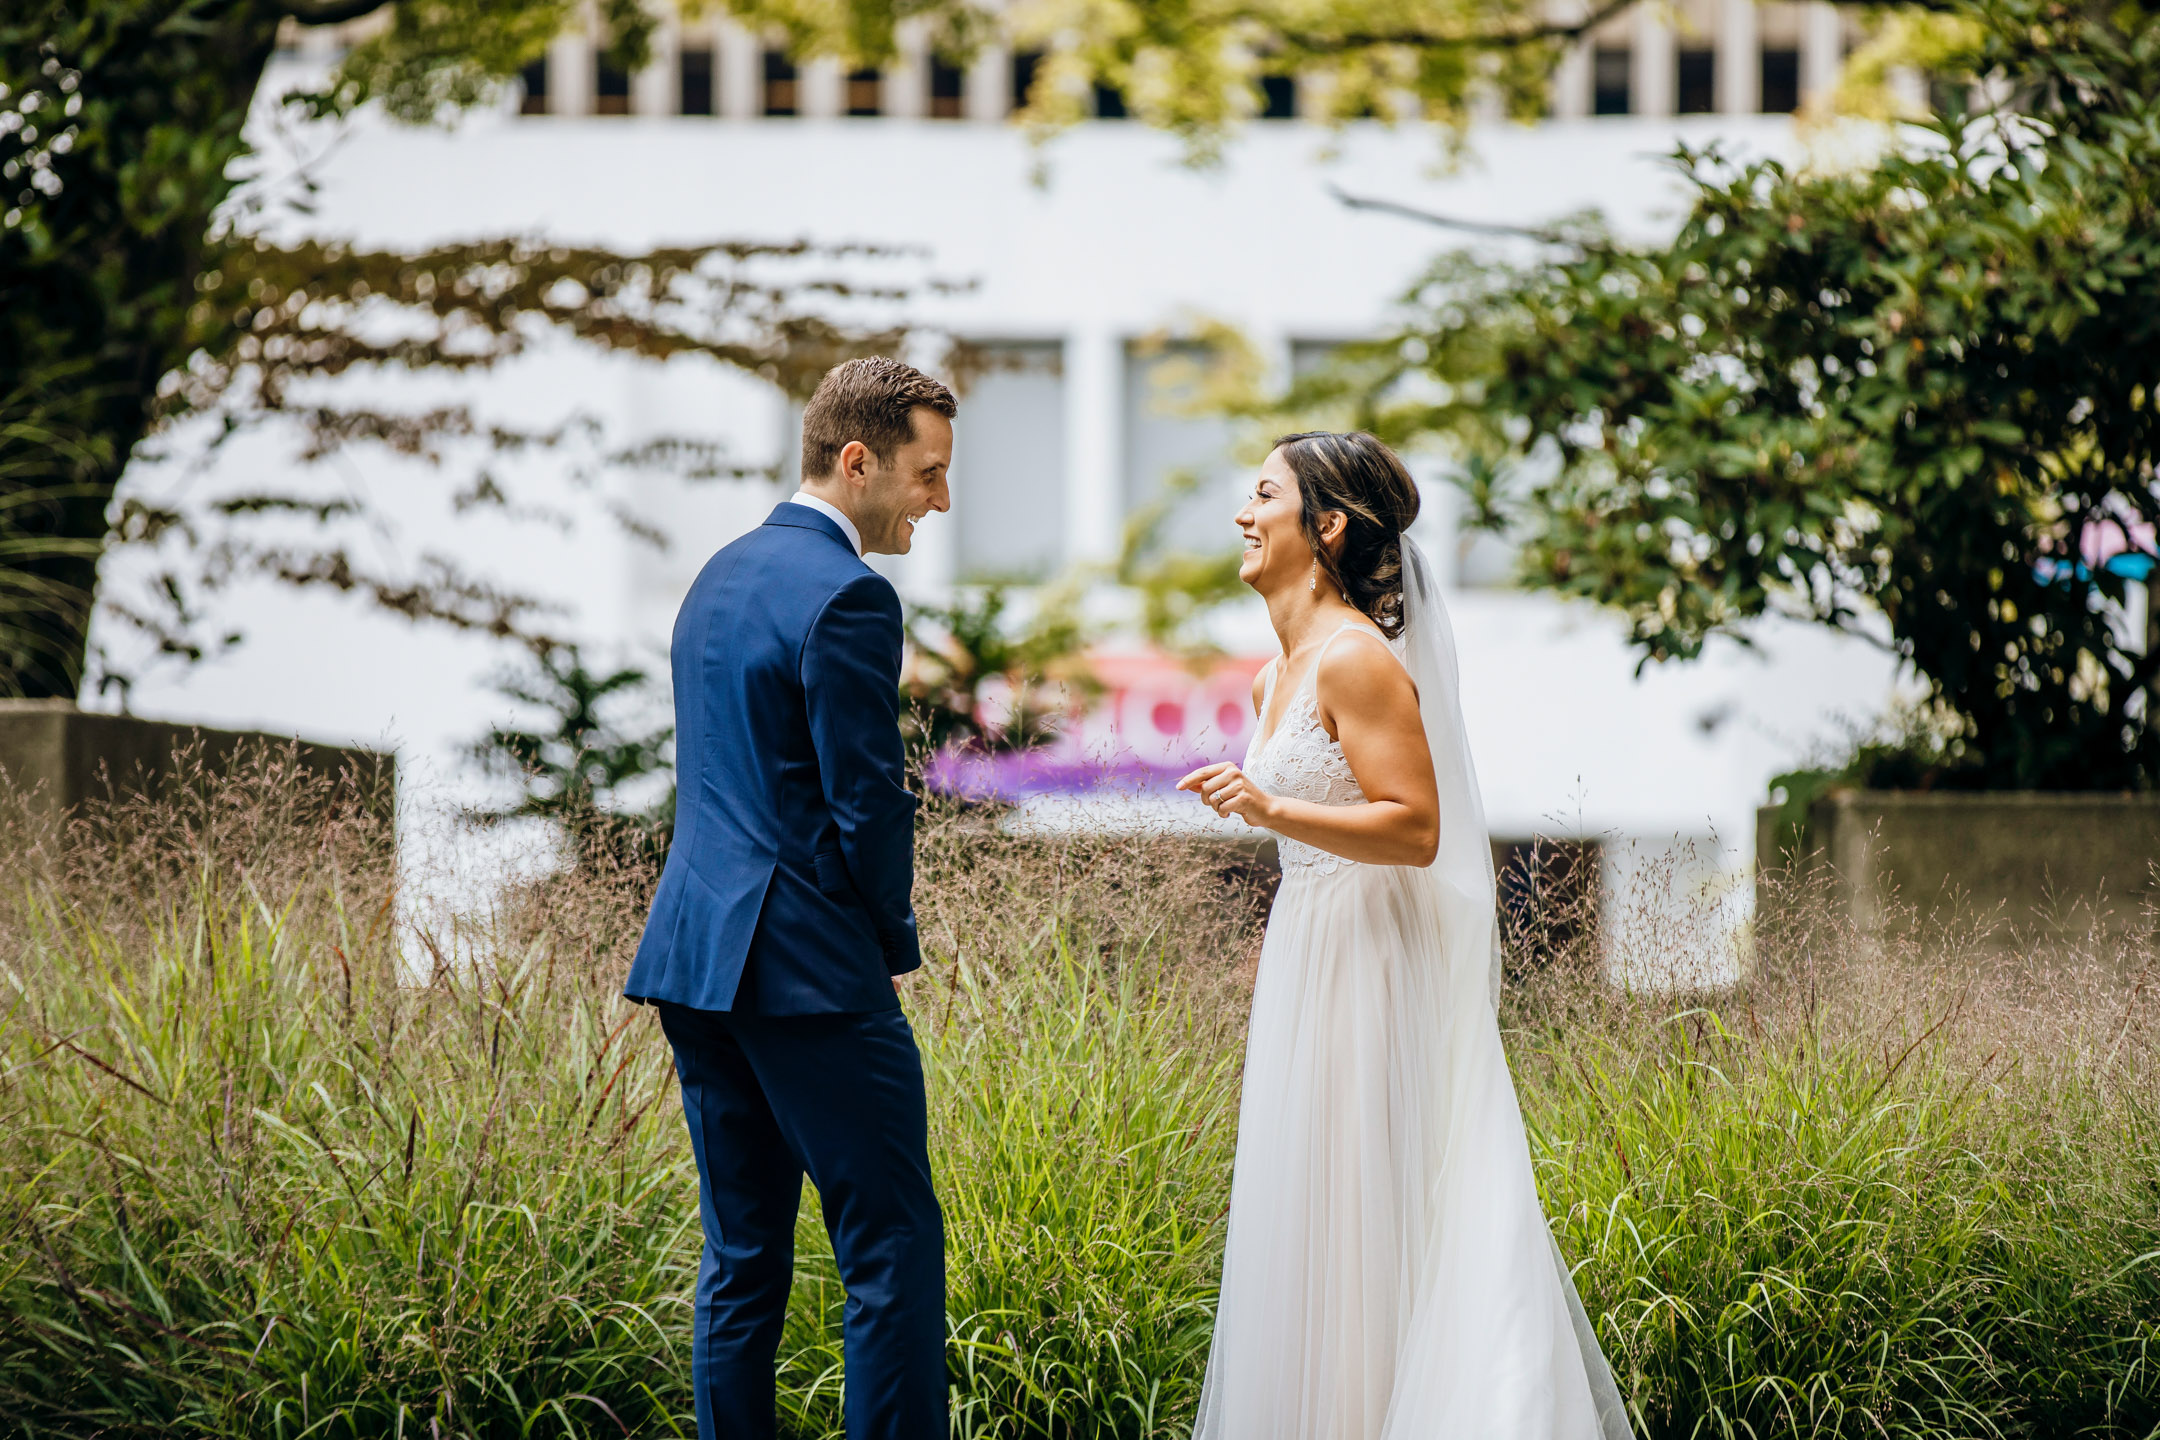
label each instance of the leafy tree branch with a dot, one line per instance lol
(1913, 403)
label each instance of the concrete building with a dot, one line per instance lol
(1079, 256)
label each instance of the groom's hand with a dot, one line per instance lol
(1229, 791)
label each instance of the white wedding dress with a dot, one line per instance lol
(1389, 1274)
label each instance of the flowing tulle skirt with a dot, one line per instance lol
(1389, 1274)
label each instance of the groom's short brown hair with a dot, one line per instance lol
(872, 400)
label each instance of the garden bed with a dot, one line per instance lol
(265, 1177)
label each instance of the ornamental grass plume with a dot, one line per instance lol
(290, 1150)
(1902, 1181)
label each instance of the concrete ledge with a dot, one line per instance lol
(60, 756)
(2045, 862)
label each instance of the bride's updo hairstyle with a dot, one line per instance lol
(1364, 480)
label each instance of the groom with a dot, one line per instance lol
(785, 911)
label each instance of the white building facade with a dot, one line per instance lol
(1079, 256)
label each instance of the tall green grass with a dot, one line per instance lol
(273, 1164)
(1907, 1189)
(255, 1183)
(1083, 1128)
(277, 1161)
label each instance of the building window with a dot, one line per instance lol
(534, 78)
(1024, 65)
(1109, 102)
(611, 87)
(696, 79)
(1609, 78)
(864, 92)
(779, 83)
(948, 89)
(1780, 81)
(1698, 82)
(1008, 469)
(1307, 356)
(1181, 468)
(1278, 97)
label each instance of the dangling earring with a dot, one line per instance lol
(1314, 584)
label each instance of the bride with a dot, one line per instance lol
(1389, 1274)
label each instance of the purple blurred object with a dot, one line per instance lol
(1156, 721)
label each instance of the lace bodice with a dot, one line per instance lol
(1298, 759)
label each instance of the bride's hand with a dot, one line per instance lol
(1230, 791)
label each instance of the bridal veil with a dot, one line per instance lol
(1465, 865)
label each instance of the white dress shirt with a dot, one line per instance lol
(833, 513)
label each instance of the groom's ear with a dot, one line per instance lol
(855, 462)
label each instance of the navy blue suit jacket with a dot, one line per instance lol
(788, 885)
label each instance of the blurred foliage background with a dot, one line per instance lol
(1913, 400)
(1910, 399)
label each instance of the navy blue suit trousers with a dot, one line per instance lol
(839, 1097)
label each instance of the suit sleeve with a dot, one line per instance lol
(851, 685)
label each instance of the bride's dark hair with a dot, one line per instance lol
(1364, 480)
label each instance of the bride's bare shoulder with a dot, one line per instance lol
(1360, 671)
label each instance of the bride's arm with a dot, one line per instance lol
(1367, 702)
